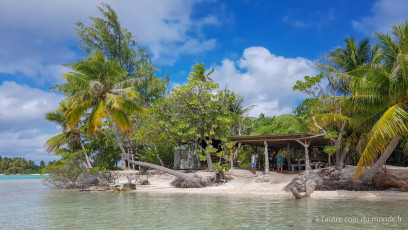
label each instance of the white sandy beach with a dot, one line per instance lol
(245, 183)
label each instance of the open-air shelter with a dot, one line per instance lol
(297, 141)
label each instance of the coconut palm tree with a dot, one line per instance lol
(339, 109)
(354, 55)
(70, 134)
(382, 91)
(198, 73)
(101, 87)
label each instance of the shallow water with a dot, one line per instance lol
(28, 204)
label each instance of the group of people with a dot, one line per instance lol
(279, 162)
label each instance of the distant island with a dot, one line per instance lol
(18, 165)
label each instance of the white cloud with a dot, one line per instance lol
(24, 107)
(385, 13)
(40, 34)
(264, 79)
(23, 129)
(26, 143)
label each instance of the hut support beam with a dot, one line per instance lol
(307, 161)
(266, 158)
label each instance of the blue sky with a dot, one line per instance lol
(258, 49)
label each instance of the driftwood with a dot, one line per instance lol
(310, 186)
(329, 179)
(183, 180)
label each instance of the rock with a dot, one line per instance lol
(114, 189)
(263, 179)
(144, 182)
(392, 178)
(128, 187)
(335, 176)
(87, 180)
(103, 182)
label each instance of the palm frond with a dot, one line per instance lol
(393, 122)
(294, 124)
(95, 118)
(332, 119)
(77, 110)
(121, 120)
(54, 143)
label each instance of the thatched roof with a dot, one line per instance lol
(282, 141)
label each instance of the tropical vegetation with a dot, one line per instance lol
(116, 106)
(18, 165)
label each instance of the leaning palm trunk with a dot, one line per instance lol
(369, 174)
(183, 180)
(88, 162)
(120, 143)
(175, 173)
(158, 156)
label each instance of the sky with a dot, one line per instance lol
(258, 48)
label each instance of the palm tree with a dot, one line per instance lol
(382, 90)
(339, 109)
(198, 73)
(353, 55)
(242, 113)
(101, 87)
(70, 134)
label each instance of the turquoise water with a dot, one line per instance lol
(28, 204)
(21, 177)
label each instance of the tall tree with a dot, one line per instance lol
(382, 92)
(106, 34)
(102, 87)
(71, 134)
(197, 112)
(116, 43)
(337, 110)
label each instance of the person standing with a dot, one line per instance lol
(271, 161)
(253, 163)
(280, 163)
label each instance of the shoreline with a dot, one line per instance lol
(247, 185)
(34, 174)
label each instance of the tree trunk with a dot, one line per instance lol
(120, 143)
(310, 187)
(369, 174)
(178, 174)
(88, 162)
(158, 156)
(329, 159)
(233, 155)
(231, 159)
(209, 162)
(340, 162)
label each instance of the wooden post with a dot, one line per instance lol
(308, 168)
(307, 161)
(233, 156)
(288, 156)
(266, 158)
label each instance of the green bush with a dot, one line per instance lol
(244, 158)
(14, 170)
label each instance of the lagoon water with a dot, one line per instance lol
(25, 203)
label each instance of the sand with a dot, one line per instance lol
(246, 184)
